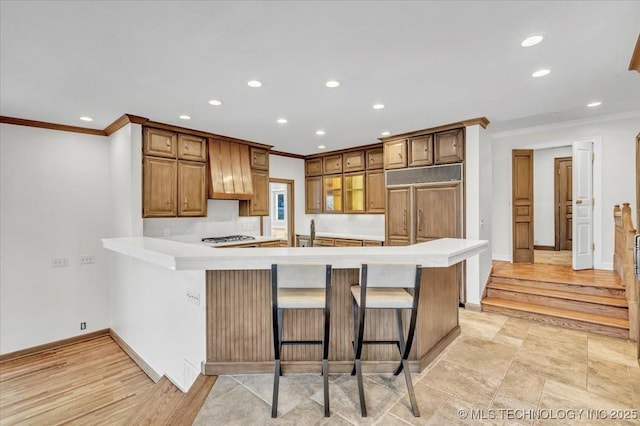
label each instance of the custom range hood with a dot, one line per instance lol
(230, 170)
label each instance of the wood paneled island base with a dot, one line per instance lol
(239, 339)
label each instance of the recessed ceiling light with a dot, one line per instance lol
(85, 118)
(541, 73)
(254, 83)
(215, 102)
(185, 117)
(332, 83)
(386, 133)
(594, 104)
(531, 41)
(319, 132)
(321, 147)
(282, 120)
(378, 106)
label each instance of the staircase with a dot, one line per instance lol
(592, 301)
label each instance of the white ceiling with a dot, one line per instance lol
(430, 63)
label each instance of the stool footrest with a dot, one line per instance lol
(301, 342)
(381, 342)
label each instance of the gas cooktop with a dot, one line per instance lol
(228, 239)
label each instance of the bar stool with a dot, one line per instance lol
(384, 286)
(301, 286)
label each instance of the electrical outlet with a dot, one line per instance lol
(193, 297)
(87, 259)
(60, 262)
(83, 326)
(166, 232)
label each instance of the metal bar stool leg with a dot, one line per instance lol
(277, 335)
(358, 347)
(325, 344)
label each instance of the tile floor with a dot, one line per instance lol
(507, 370)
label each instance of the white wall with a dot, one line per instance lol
(54, 202)
(292, 168)
(617, 147)
(478, 183)
(543, 193)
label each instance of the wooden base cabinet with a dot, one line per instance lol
(398, 215)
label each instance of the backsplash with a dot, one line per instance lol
(356, 224)
(222, 219)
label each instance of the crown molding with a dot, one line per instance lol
(286, 154)
(634, 65)
(51, 126)
(481, 121)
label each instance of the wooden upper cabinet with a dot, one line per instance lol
(449, 146)
(375, 192)
(259, 158)
(192, 189)
(332, 193)
(421, 151)
(313, 194)
(160, 143)
(354, 193)
(258, 205)
(374, 159)
(159, 180)
(332, 164)
(192, 148)
(395, 154)
(353, 161)
(230, 170)
(313, 167)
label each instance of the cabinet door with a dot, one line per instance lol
(395, 154)
(159, 187)
(192, 190)
(375, 192)
(353, 161)
(332, 193)
(160, 143)
(259, 203)
(259, 158)
(398, 216)
(421, 151)
(437, 212)
(339, 242)
(323, 242)
(313, 167)
(375, 158)
(332, 164)
(449, 146)
(354, 193)
(313, 194)
(192, 148)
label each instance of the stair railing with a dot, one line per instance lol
(623, 265)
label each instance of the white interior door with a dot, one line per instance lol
(582, 223)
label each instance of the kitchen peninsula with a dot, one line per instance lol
(208, 309)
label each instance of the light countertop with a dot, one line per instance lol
(178, 255)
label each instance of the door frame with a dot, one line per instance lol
(556, 199)
(291, 221)
(598, 262)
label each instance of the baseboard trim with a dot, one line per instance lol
(54, 345)
(501, 257)
(153, 375)
(473, 307)
(438, 348)
(550, 248)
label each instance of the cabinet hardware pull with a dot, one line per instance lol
(168, 143)
(168, 201)
(578, 201)
(186, 148)
(186, 202)
(404, 219)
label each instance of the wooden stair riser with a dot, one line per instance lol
(560, 322)
(575, 305)
(573, 288)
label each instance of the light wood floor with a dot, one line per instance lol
(92, 382)
(560, 257)
(556, 274)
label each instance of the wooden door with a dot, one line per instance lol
(563, 202)
(375, 192)
(395, 154)
(313, 194)
(522, 205)
(398, 217)
(159, 143)
(159, 190)
(421, 151)
(192, 191)
(436, 212)
(638, 187)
